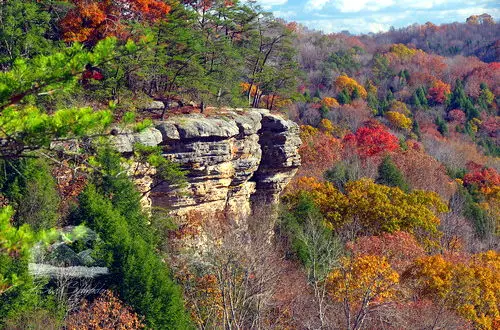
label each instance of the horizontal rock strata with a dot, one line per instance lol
(231, 158)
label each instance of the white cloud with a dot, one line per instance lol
(287, 15)
(363, 16)
(350, 6)
(354, 6)
(268, 4)
(353, 25)
(315, 4)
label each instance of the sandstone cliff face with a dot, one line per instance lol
(232, 159)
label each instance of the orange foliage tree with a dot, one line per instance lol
(399, 248)
(439, 92)
(90, 20)
(330, 102)
(362, 284)
(319, 149)
(246, 86)
(105, 312)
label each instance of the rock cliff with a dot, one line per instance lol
(232, 158)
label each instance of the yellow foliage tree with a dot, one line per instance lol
(399, 120)
(374, 209)
(343, 82)
(330, 102)
(361, 284)
(402, 51)
(470, 287)
(398, 106)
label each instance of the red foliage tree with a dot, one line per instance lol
(439, 91)
(91, 20)
(489, 74)
(483, 177)
(319, 151)
(400, 248)
(457, 116)
(424, 172)
(491, 127)
(371, 140)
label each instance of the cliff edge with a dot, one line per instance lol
(232, 159)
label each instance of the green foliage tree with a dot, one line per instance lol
(390, 175)
(31, 189)
(416, 129)
(344, 97)
(25, 26)
(422, 98)
(442, 126)
(21, 298)
(24, 124)
(381, 68)
(344, 171)
(111, 206)
(372, 99)
(459, 100)
(415, 100)
(486, 97)
(483, 224)
(345, 61)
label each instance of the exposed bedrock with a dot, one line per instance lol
(232, 159)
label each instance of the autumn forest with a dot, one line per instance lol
(358, 174)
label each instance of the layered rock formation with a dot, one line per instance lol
(232, 158)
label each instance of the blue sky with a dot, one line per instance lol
(363, 16)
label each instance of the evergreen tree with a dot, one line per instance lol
(390, 96)
(416, 129)
(355, 94)
(424, 103)
(442, 126)
(372, 100)
(112, 208)
(390, 175)
(343, 97)
(25, 26)
(31, 188)
(415, 100)
(459, 100)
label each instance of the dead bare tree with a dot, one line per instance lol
(238, 274)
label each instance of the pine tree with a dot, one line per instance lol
(390, 175)
(422, 97)
(416, 129)
(415, 100)
(442, 126)
(344, 97)
(355, 94)
(31, 188)
(111, 206)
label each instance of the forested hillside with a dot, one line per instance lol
(392, 221)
